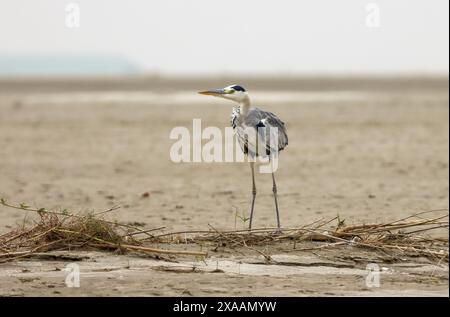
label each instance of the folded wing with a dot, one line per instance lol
(261, 133)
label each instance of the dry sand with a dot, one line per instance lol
(366, 154)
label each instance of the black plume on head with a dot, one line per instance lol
(238, 88)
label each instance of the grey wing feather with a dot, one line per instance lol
(257, 118)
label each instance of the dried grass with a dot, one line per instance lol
(58, 231)
(410, 236)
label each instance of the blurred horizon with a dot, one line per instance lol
(147, 82)
(40, 66)
(24, 65)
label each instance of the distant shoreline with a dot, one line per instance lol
(273, 83)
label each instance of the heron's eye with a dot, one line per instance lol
(229, 91)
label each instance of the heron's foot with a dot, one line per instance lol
(277, 232)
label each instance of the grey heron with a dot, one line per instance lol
(244, 117)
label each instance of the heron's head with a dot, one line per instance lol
(233, 92)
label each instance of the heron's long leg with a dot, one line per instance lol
(252, 165)
(274, 189)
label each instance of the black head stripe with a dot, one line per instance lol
(238, 88)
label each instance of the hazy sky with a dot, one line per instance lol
(234, 36)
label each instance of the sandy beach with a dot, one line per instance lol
(365, 153)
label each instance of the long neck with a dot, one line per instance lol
(245, 105)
